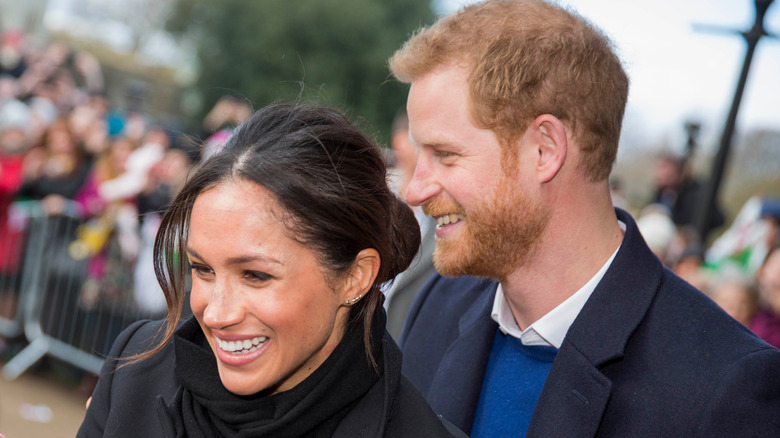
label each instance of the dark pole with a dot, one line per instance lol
(692, 129)
(706, 205)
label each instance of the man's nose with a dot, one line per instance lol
(423, 186)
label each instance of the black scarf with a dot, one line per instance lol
(204, 408)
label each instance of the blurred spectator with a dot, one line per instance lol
(62, 76)
(657, 229)
(770, 213)
(12, 60)
(9, 89)
(44, 114)
(738, 297)
(55, 171)
(689, 266)
(16, 119)
(165, 179)
(766, 323)
(88, 68)
(102, 217)
(110, 164)
(226, 114)
(681, 193)
(131, 183)
(95, 138)
(14, 124)
(136, 176)
(88, 122)
(404, 153)
(752, 234)
(674, 246)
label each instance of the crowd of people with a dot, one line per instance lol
(73, 154)
(738, 269)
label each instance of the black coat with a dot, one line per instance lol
(648, 355)
(125, 402)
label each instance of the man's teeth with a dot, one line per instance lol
(448, 219)
(245, 346)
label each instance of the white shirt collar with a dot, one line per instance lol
(550, 329)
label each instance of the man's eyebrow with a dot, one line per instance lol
(432, 142)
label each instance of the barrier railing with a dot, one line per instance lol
(73, 303)
(12, 238)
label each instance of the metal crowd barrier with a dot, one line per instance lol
(65, 311)
(12, 238)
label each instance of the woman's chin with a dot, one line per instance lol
(240, 385)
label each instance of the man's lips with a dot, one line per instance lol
(448, 219)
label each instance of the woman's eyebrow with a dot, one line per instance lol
(240, 259)
(252, 258)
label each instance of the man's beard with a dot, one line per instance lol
(498, 235)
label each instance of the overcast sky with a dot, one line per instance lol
(678, 73)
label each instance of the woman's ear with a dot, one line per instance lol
(552, 146)
(362, 276)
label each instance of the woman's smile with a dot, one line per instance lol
(241, 347)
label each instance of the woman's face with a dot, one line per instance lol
(120, 151)
(261, 298)
(60, 142)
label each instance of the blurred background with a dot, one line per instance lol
(105, 106)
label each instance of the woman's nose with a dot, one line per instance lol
(223, 308)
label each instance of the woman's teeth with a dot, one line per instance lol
(242, 347)
(448, 219)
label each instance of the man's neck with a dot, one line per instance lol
(568, 255)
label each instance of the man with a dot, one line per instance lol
(678, 190)
(562, 322)
(407, 284)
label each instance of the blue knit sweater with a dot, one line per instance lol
(511, 386)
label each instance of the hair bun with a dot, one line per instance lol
(405, 236)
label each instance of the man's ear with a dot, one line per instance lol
(363, 274)
(552, 146)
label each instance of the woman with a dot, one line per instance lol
(55, 171)
(106, 219)
(289, 232)
(766, 322)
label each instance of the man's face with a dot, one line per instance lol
(665, 173)
(487, 220)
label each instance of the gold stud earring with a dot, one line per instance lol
(352, 301)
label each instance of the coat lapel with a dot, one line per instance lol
(576, 392)
(573, 399)
(455, 391)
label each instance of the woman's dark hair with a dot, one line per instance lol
(331, 182)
